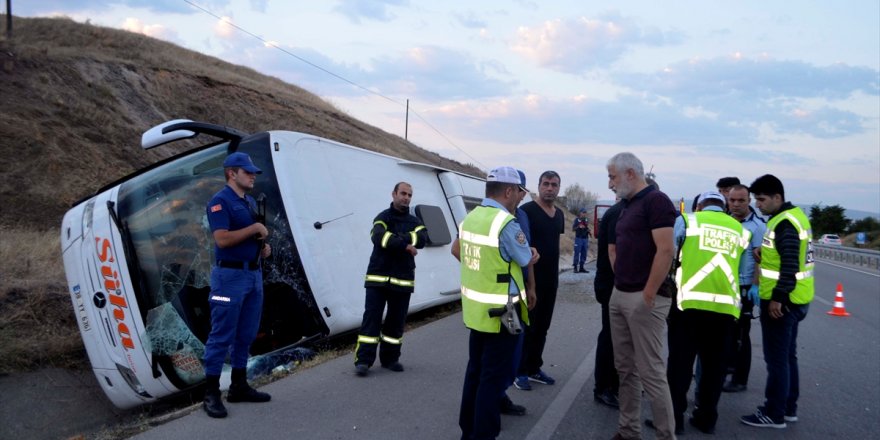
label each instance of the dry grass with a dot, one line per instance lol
(77, 97)
(37, 324)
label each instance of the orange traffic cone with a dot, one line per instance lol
(839, 309)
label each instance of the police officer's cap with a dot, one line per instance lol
(241, 160)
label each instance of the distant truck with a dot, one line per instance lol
(138, 253)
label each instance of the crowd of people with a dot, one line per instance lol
(696, 277)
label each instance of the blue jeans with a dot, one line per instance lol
(580, 251)
(780, 353)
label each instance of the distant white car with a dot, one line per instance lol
(829, 239)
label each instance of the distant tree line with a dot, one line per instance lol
(831, 220)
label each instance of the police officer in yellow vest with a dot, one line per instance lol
(711, 244)
(492, 250)
(786, 291)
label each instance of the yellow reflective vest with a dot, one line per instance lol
(485, 276)
(708, 277)
(771, 261)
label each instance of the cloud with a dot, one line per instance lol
(789, 96)
(259, 5)
(424, 73)
(630, 120)
(470, 20)
(436, 73)
(756, 78)
(159, 6)
(159, 31)
(371, 9)
(578, 45)
(224, 28)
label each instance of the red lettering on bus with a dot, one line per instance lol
(112, 285)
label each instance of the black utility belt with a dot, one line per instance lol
(249, 265)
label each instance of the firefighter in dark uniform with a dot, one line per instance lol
(236, 296)
(390, 279)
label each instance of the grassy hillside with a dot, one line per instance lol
(75, 100)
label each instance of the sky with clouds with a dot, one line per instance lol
(698, 90)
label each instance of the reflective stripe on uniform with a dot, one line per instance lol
(494, 231)
(385, 239)
(390, 340)
(484, 240)
(712, 297)
(489, 298)
(392, 280)
(415, 238)
(774, 275)
(368, 339)
(802, 232)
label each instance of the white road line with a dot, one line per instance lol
(849, 268)
(553, 415)
(823, 300)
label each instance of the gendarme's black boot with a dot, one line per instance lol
(240, 391)
(213, 404)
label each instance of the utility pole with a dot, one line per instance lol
(406, 124)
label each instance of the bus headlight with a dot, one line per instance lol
(132, 381)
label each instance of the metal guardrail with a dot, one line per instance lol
(847, 255)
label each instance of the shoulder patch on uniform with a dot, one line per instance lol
(521, 237)
(217, 207)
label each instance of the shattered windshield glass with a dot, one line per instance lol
(164, 209)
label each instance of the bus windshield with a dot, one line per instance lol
(163, 211)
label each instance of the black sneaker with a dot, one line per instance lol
(607, 398)
(213, 405)
(397, 367)
(789, 417)
(361, 369)
(511, 409)
(244, 393)
(759, 420)
(702, 427)
(730, 387)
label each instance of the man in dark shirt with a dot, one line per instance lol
(638, 308)
(546, 223)
(605, 391)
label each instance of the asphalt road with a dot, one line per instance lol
(839, 368)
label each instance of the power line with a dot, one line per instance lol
(340, 77)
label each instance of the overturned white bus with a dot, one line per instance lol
(138, 252)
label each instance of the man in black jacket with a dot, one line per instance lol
(390, 279)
